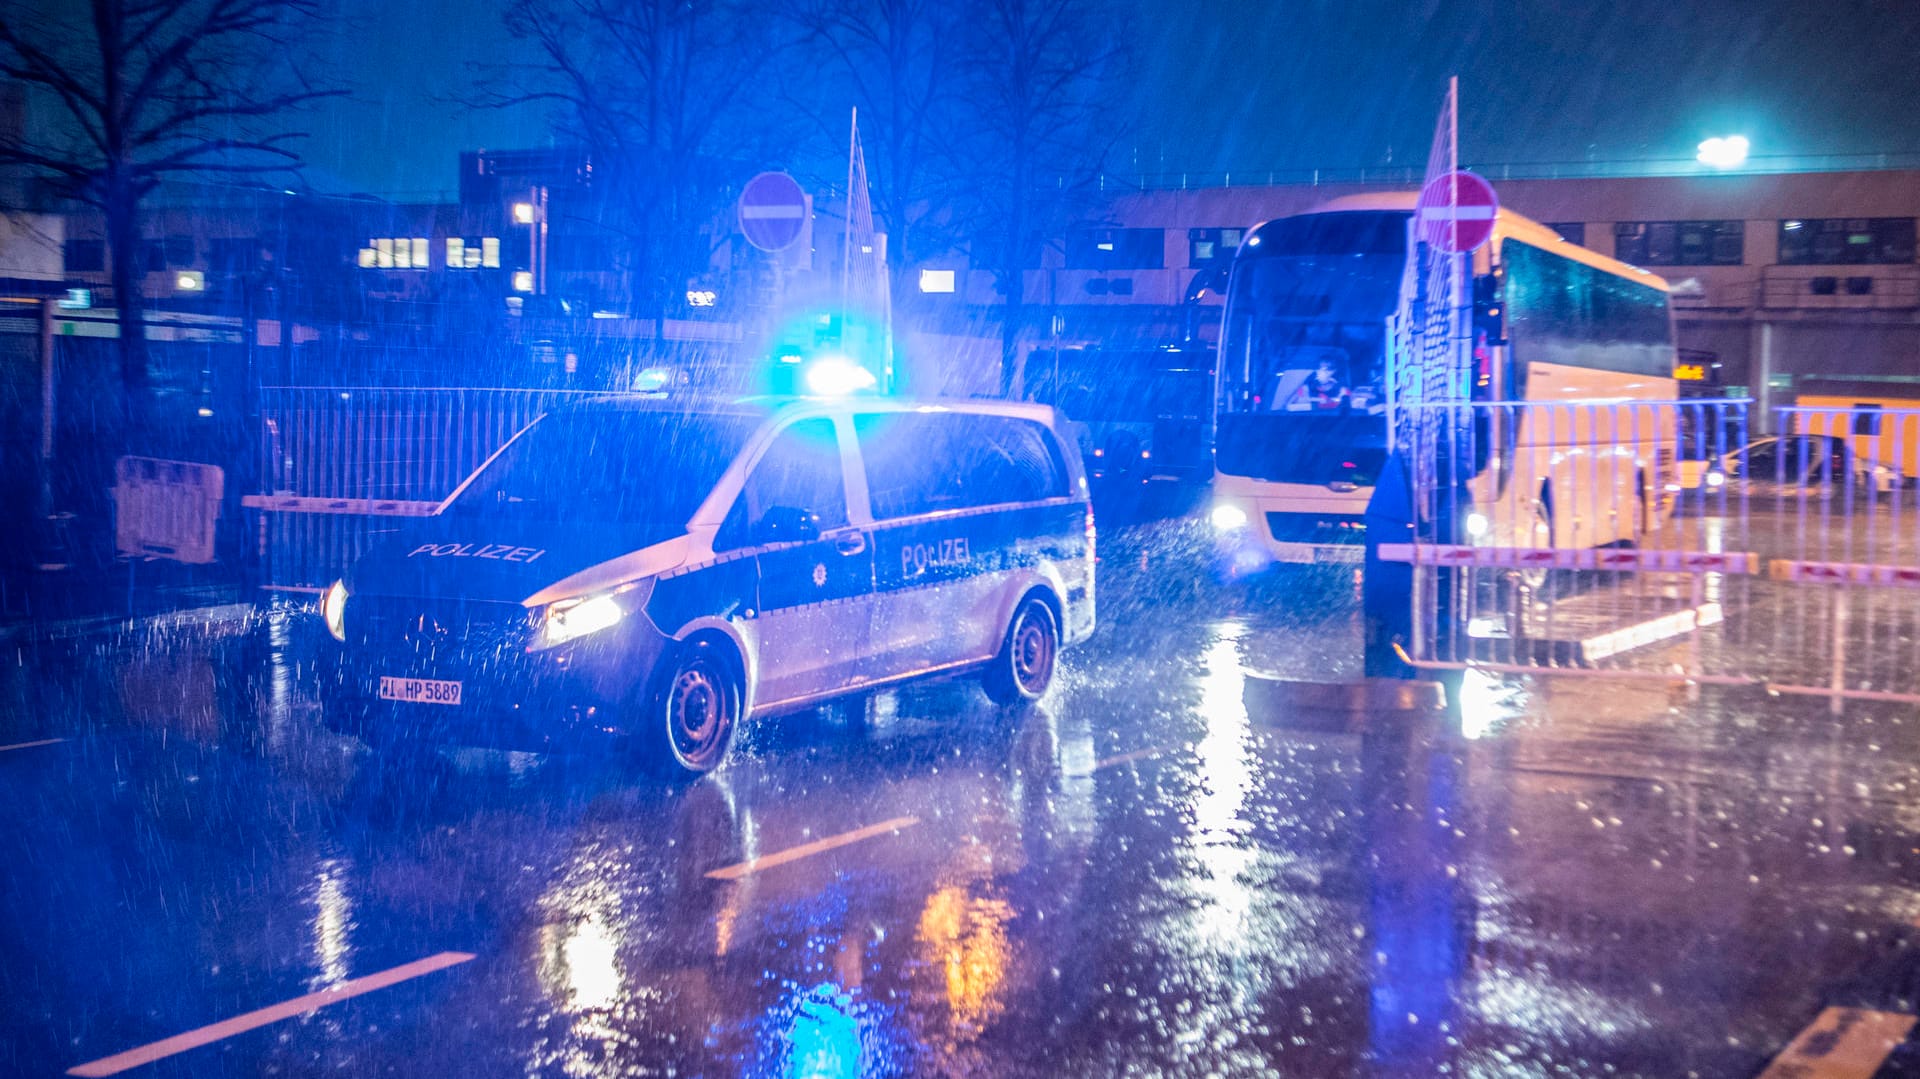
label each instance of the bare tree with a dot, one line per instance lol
(144, 91)
(1042, 83)
(657, 91)
(896, 60)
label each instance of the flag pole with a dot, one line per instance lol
(846, 254)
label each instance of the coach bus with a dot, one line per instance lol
(1565, 342)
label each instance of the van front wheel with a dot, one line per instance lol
(1023, 670)
(695, 709)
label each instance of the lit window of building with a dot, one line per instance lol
(1212, 247)
(1680, 243)
(395, 253)
(1116, 249)
(465, 254)
(1574, 232)
(1844, 241)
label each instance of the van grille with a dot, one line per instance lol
(415, 620)
(1322, 528)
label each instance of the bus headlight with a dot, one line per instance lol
(570, 619)
(1716, 478)
(1228, 517)
(1477, 525)
(333, 608)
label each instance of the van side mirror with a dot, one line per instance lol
(786, 524)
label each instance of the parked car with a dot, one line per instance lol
(1800, 465)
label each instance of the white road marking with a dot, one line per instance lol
(807, 850)
(239, 1024)
(1843, 1043)
(30, 745)
(1123, 758)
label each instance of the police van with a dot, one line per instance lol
(664, 569)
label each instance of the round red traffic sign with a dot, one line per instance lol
(1456, 212)
(773, 211)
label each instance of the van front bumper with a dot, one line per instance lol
(509, 697)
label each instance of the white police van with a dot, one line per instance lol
(663, 569)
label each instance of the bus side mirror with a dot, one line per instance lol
(1489, 310)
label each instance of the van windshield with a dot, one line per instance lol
(646, 470)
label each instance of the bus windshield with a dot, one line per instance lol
(1306, 317)
(1303, 353)
(1317, 448)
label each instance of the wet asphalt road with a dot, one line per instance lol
(1139, 877)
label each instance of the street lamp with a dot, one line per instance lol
(533, 214)
(1729, 152)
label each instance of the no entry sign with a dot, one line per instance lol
(1457, 212)
(773, 211)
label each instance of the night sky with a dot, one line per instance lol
(1252, 85)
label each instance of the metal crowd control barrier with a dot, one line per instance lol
(1669, 540)
(344, 465)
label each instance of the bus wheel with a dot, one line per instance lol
(1023, 670)
(695, 709)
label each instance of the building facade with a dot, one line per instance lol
(1775, 276)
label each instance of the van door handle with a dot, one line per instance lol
(851, 544)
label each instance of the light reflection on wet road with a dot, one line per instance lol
(1139, 877)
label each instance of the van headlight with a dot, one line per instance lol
(570, 619)
(1716, 478)
(1228, 517)
(333, 608)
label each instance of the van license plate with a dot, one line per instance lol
(1342, 555)
(419, 690)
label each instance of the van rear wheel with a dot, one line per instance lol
(1023, 670)
(695, 710)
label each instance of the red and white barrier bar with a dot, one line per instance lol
(364, 507)
(1802, 572)
(1603, 558)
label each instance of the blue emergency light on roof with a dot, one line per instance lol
(838, 376)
